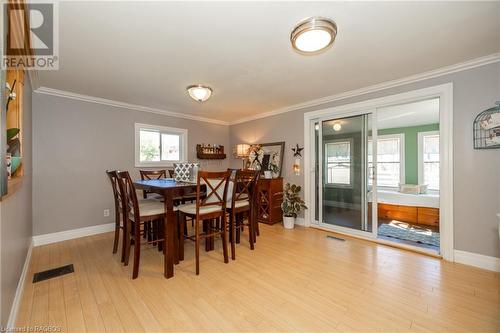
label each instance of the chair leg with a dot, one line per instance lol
(256, 226)
(232, 232)
(183, 226)
(238, 227)
(127, 240)
(207, 240)
(117, 232)
(125, 235)
(197, 246)
(224, 238)
(161, 235)
(251, 231)
(137, 250)
(176, 240)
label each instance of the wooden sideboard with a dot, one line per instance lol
(269, 199)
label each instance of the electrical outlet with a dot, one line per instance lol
(106, 212)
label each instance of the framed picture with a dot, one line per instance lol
(267, 157)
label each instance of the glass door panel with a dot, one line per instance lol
(343, 164)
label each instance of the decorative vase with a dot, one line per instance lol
(268, 174)
(288, 222)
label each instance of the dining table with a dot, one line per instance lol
(169, 189)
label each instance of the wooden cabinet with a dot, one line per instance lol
(411, 214)
(269, 199)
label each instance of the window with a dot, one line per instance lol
(390, 160)
(159, 146)
(428, 159)
(338, 163)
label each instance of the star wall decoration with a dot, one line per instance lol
(297, 151)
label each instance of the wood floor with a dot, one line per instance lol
(295, 280)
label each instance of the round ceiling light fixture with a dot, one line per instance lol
(313, 35)
(337, 127)
(199, 93)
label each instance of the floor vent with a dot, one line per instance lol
(336, 238)
(52, 273)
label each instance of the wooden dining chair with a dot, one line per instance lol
(119, 225)
(209, 206)
(151, 175)
(242, 203)
(136, 215)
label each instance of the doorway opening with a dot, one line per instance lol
(376, 170)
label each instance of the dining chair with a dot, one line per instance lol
(151, 175)
(113, 177)
(242, 203)
(136, 214)
(208, 206)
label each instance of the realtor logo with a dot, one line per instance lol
(33, 36)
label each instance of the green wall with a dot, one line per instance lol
(411, 147)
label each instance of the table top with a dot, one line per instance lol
(165, 183)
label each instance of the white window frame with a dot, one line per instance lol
(420, 149)
(402, 149)
(183, 144)
(351, 169)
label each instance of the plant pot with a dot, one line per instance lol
(15, 163)
(268, 175)
(288, 222)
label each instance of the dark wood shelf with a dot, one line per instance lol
(202, 156)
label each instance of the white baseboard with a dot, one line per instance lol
(11, 322)
(300, 221)
(477, 260)
(71, 234)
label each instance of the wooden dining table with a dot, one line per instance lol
(169, 189)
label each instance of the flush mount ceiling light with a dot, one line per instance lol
(313, 35)
(337, 127)
(199, 92)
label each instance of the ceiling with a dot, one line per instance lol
(410, 114)
(147, 53)
(419, 113)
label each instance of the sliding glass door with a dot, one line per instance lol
(344, 196)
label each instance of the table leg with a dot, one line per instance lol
(169, 225)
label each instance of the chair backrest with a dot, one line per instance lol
(153, 174)
(244, 188)
(217, 189)
(128, 195)
(113, 177)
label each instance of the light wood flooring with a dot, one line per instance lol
(295, 280)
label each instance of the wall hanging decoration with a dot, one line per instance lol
(267, 157)
(297, 153)
(210, 152)
(487, 128)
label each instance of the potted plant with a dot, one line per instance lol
(292, 204)
(13, 142)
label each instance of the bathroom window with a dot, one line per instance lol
(390, 160)
(338, 163)
(428, 159)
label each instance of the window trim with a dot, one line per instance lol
(420, 149)
(183, 133)
(351, 169)
(402, 157)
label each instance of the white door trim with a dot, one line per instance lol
(445, 93)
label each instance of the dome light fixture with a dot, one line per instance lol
(313, 35)
(199, 93)
(337, 127)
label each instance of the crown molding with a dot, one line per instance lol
(477, 62)
(123, 105)
(482, 61)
